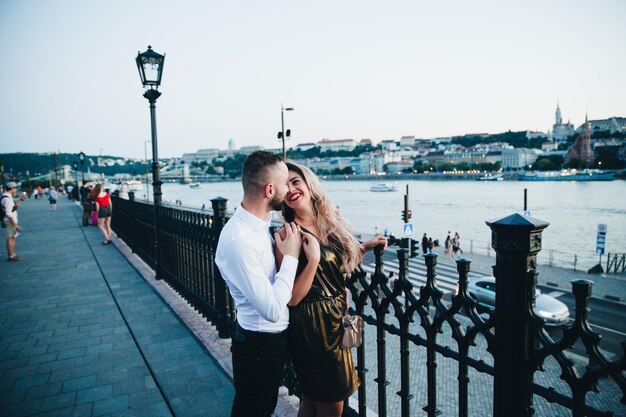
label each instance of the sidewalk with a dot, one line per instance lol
(83, 334)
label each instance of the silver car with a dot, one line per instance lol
(483, 290)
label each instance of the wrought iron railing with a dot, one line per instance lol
(512, 344)
(616, 263)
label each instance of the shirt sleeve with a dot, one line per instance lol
(244, 271)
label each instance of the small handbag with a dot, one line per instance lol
(352, 326)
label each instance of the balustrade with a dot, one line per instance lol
(516, 342)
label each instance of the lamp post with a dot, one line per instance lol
(81, 159)
(282, 135)
(145, 155)
(150, 67)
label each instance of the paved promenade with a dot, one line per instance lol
(83, 334)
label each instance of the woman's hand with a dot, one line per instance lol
(311, 247)
(373, 242)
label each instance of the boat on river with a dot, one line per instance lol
(491, 177)
(568, 175)
(383, 187)
(194, 185)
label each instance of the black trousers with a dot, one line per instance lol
(258, 365)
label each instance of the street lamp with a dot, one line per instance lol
(282, 135)
(145, 155)
(150, 67)
(81, 158)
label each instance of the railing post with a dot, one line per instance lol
(405, 389)
(516, 240)
(221, 292)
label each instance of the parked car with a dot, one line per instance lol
(483, 290)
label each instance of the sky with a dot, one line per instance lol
(350, 69)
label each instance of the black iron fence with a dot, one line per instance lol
(616, 263)
(516, 343)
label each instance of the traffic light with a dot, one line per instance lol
(409, 214)
(414, 248)
(403, 216)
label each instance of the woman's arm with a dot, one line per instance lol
(372, 243)
(304, 279)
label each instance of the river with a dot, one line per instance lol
(573, 209)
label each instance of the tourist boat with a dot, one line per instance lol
(491, 177)
(134, 185)
(383, 187)
(194, 185)
(568, 175)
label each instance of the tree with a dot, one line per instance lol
(544, 164)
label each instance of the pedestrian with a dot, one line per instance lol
(324, 369)
(88, 205)
(430, 245)
(40, 192)
(386, 232)
(52, 198)
(9, 219)
(245, 258)
(124, 189)
(456, 245)
(448, 246)
(104, 208)
(424, 244)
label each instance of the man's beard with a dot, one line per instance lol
(277, 203)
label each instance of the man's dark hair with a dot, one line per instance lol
(256, 170)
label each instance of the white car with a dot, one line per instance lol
(483, 290)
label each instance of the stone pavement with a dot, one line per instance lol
(83, 334)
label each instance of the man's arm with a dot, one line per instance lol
(244, 271)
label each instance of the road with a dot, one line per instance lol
(605, 317)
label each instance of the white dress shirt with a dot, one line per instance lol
(245, 257)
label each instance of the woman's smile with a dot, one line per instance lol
(292, 197)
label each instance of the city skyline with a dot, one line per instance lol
(350, 70)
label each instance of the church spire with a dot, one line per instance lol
(559, 119)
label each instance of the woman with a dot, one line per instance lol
(104, 208)
(324, 369)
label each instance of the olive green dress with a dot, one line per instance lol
(324, 369)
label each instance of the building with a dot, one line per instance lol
(581, 149)
(305, 146)
(250, 149)
(399, 167)
(407, 141)
(549, 146)
(201, 155)
(613, 125)
(337, 145)
(518, 158)
(561, 131)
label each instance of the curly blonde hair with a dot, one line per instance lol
(334, 229)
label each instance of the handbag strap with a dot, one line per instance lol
(324, 287)
(329, 294)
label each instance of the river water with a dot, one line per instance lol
(573, 209)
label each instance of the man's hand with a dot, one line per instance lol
(292, 242)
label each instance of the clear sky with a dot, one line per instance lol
(351, 69)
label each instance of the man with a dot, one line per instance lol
(245, 257)
(424, 244)
(10, 219)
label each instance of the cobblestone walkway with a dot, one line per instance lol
(83, 334)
